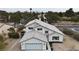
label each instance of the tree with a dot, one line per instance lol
(14, 35)
(4, 15)
(52, 17)
(11, 29)
(29, 16)
(30, 10)
(69, 13)
(16, 17)
(75, 19)
(60, 14)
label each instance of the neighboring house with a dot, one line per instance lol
(39, 34)
(4, 28)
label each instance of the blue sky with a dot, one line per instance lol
(38, 9)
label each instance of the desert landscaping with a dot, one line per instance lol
(69, 44)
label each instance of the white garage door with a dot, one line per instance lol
(33, 46)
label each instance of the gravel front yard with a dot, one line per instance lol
(69, 44)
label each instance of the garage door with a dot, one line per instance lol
(33, 46)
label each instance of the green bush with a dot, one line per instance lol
(13, 35)
(71, 33)
(11, 29)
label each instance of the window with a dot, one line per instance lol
(30, 27)
(46, 31)
(55, 38)
(39, 28)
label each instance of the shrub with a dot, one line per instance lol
(68, 32)
(13, 35)
(20, 28)
(71, 33)
(11, 29)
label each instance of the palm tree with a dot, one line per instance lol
(30, 10)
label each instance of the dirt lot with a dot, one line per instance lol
(69, 44)
(13, 45)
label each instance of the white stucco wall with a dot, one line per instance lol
(56, 34)
(51, 33)
(35, 26)
(31, 25)
(33, 40)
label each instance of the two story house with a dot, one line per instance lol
(38, 36)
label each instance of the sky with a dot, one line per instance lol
(38, 9)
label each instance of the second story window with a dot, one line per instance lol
(39, 28)
(30, 28)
